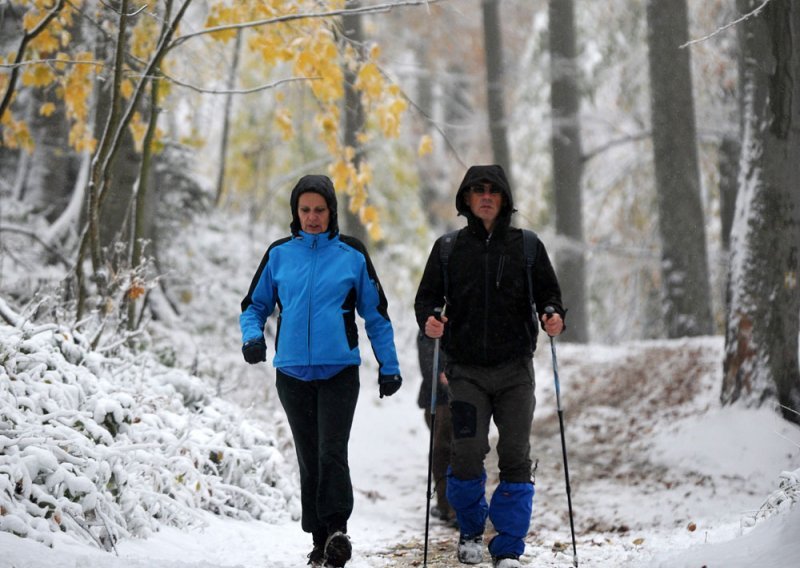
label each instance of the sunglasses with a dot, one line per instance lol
(480, 189)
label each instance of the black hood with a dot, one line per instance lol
(318, 184)
(493, 174)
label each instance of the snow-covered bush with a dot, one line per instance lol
(115, 447)
(782, 499)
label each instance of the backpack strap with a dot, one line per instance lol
(530, 247)
(446, 244)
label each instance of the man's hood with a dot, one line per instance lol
(493, 174)
(318, 184)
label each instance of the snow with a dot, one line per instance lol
(732, 459)
(181, 452)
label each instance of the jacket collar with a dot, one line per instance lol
(476, 226)
(316, 241)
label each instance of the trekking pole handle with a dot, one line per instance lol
(435, 371)
(549, 311)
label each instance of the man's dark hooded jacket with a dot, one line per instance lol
(489, 314)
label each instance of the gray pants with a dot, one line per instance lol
(478, 394)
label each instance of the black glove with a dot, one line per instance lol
(254, 350)
(389, 384)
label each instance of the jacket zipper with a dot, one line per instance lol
(311, 293)
(486, 288)
(499, 271)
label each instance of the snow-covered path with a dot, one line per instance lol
(641, 472)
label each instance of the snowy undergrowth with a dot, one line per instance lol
(113, 447)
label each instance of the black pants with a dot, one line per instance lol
(505, 393)
(320, 415)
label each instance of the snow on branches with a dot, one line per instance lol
(110, 448)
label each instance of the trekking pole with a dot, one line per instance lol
(549, 310)
(434, 388)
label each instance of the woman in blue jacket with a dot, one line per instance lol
(318, 279)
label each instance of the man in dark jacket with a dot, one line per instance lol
(489, 335)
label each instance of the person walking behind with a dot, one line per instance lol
(443, 427)
(489, 335)
(318, 278)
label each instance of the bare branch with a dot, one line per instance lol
(35, 237)
(726, 26)
(378, 8)
(616, 142)
(155, 62)
(39, 61)
(23, 44)
(236, 91)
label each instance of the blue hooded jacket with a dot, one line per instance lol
(318, 282)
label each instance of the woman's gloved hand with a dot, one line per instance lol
(389, 384)
(255, 350)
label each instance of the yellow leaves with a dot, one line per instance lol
(425, 146)
(138, 129)
(47, 109)
(327, 121)
(81, 138)
(374, 230)
(270, 48)
(44, 43)
(222, 14)
(370, 81)
(77, 87)
(126, 88)
(16, 134)
(318, 60)
(389, 115)
(354, 181)
(386, 100)
(144, 37)
(283, 120)
(38, 75)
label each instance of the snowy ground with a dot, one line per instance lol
(661, 476)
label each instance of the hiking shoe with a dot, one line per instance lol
(316, 558)
(470, 549)
(337, 550)
(508, 562)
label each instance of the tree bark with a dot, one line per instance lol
(729, 152)
(495, 85)
(761, 340)
(27, 37)
(353, 115)
(567, 164)
(226, 121)
(684, 262)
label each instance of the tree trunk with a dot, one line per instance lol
(567, 164)
(761, 340)
(684, 263)
(226, 121)
(495, 85)
(353, 116)
(729, 152)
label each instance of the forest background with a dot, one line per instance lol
(653, 145)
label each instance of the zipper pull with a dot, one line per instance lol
(500, 271)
